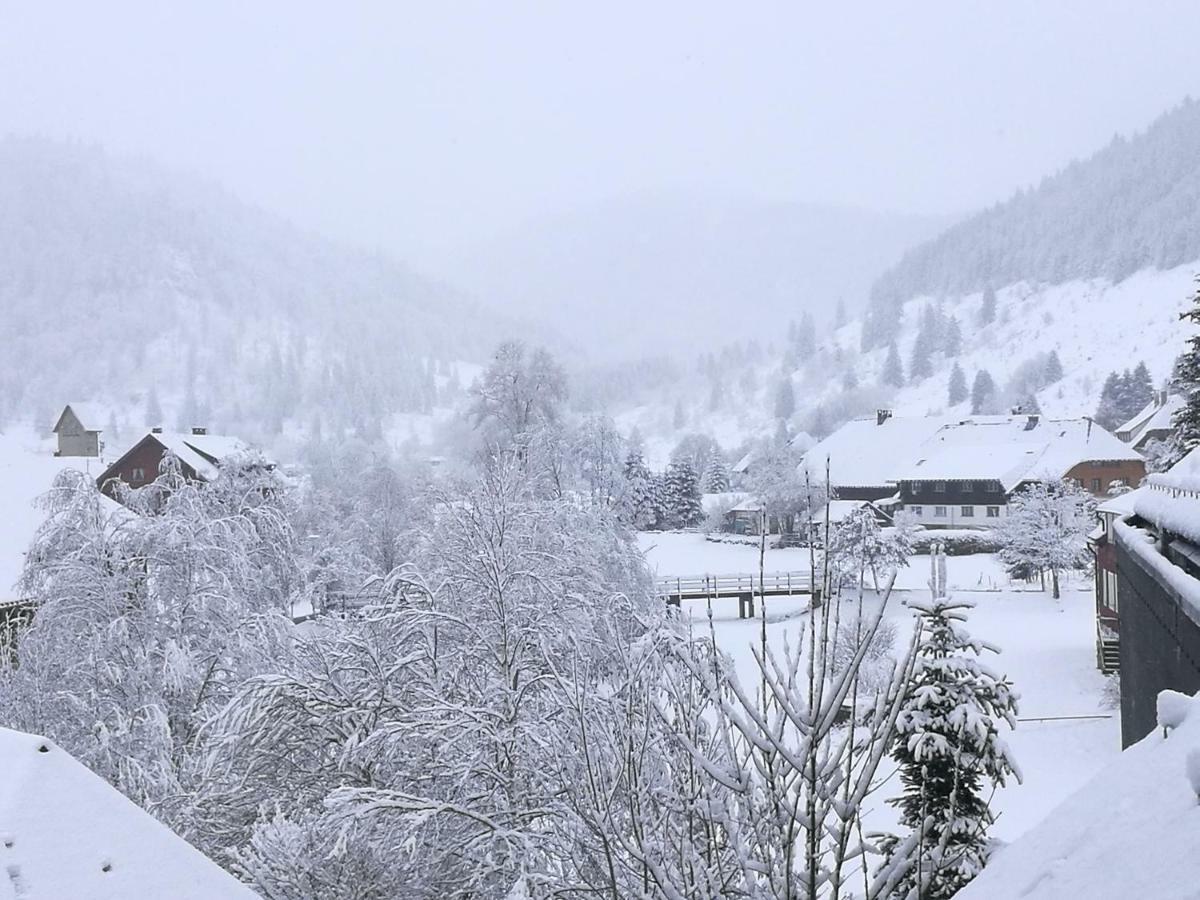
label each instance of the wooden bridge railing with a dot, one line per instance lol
(744, 587)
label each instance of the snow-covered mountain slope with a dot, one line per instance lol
(1095, 326)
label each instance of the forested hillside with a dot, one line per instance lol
(139, 287)
(1133, 205)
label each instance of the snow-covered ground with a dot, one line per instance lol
(28, 467)
(1048, 654)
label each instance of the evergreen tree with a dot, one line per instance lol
(1108, 412)
(806, 336)
(1139, 391)
(921, 363)
(950, 753)
(641, 507)
(953, 341)
(785, 399)
(839, 315)
(987, 309)
(893, 369)
(849, 379)
(958, 386)
(684, 509)
(1186, 378)
(716, 473)
(983, 393)
(1054, 369)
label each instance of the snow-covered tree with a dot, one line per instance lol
(600, 459)
(1186, 382)
(893, 369)
(1054, 369)
(953, 338)
(983, 393)
(641, 508)
(519, 392)
(716, 472)
(957, 392)
(785, 399)
(1045, 531)
(859, 547)
(775, 482)
(684, 509)
(951, 756)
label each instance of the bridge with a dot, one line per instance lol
(743, 587)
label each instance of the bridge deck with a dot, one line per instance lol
(743, 587)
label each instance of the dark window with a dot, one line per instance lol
(993, 512)
(968, 486)
(138, 474)
(967, 512)
(916, 510)
(939, 487)
(939, 511)
(1095, 485)
(993, 487)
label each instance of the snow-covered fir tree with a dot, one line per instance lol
(983, 393)
(716, 472)
(893, 369)
(785, 399)
(957, 392)
(987, 308)
(682, 495)
(950, 753)
(642, 504)
(1186, 382)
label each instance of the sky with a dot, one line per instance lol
(414, 127)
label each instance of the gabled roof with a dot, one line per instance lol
(1154, 416)
(1008, 449)
(865, 453)
(202, 453)
(90, 415)
(67, 833)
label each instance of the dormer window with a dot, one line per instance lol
(939, 487)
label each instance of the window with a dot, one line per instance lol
(993, 487)
(939, 487)
(138, 474)
(968, 487)
(1095, 485)
(993, 512)
(967, 512)
(916, 510)
(940, 512)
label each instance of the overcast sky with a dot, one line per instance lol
(417, 125)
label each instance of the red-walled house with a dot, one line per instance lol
(198, 452)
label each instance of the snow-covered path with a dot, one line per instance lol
(1047, 652)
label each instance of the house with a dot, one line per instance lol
(965, 475)
(1102, 542)
(1153, 423)
(78, 430)
(866, 455)
(1158, 582)
(68, 833)
(199, 454)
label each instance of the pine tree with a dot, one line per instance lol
(839, 315)
(785, 399)
(987, 309)
(1139, 391)
(716, 473)
(806, 336)
(953, 341)
(1054, 369)
(983, 393)
(893, 369)
(950, 752)
(958, 386)
(1186, 378)
(921, 364)
(641, 508)
(1108, 412)
(684, 509)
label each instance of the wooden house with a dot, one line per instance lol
(199, 454)
(78, 431)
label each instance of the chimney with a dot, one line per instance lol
(882, 415)
(197, 430)
(1160, 398)
(157, 429)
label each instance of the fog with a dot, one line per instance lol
(428, 129)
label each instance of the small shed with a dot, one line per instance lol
(78, 431)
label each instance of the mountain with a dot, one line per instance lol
(678, 273)
(1133, 205)
(122, 281)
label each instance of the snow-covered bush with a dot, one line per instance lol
(1046, 531)
(1173, 708)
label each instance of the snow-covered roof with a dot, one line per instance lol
(867, 453)
(742, 465)
(1122, 504)
(1129, 832)
(1154, 416)
(1008, 449)
(92, 416)
(712, 503)
(201, 452)
(67, 833)
(838, 511)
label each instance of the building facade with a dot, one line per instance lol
(76, 436)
